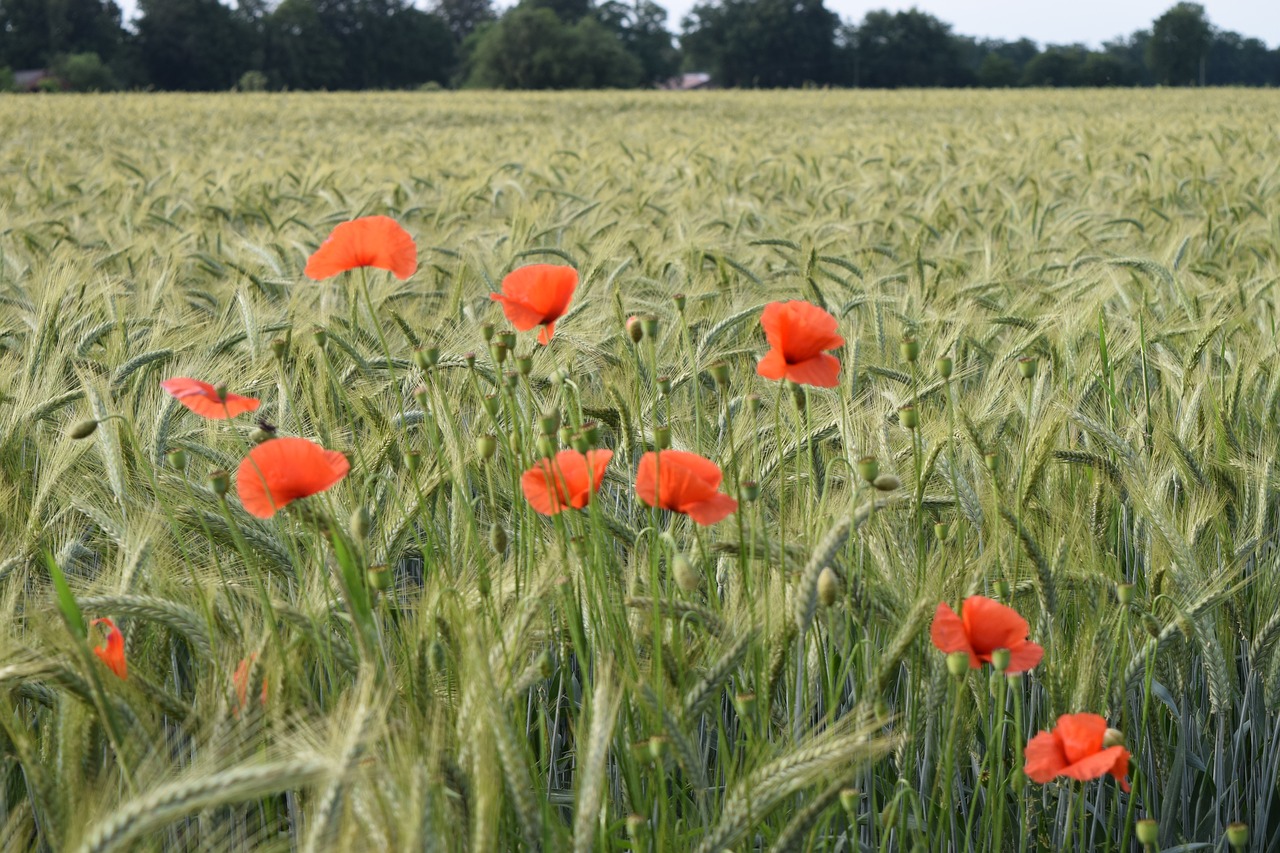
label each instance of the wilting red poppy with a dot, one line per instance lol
(204, 399)
(688, 485)
(112, 651)
(1075, 749)
(569, 481)
(370, 241)
(798, 332)
(537, 295)
(983, 627)
(240, 679)
(281, 470)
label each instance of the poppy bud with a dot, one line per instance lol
(177, 458)
(263, 432)
(828, 587)
(279, 348)
(470, 359)
(491, 404)
(1112, 737)
(566, 435)
(360, 523)
(849, 801)
(664, 385)
(1002, 588)
(744, 703)
(220, 481)
(650, 325)
(750, 490)
(993, 462)
(753, 403)
(889, 814)
(497, 539)
(320, 336)
(869, 468)
(910, 349)
(1000, 659)
(908, 416)
(661, 438)
(83, 429)
(431, 355)
(1027, 367)
(550, 422)
(1015, 681)
(507, 338)
(679, 300)
(486, 446)
(687, 577)
(941, 530)
(513, 441)
(524, 364)
(720, 373)
(1238, 835)
(591, 432)
(887, 483)
(1153, 627)
(512, 378)
(1124, 593)
(486, 331)
(379, 578)
(1148, 832)
(579, 442)
(546, 446)
(420, 358)
(657, 747)
(498, 351)
(637, 828)
(944, 366)
(958, 664)
(634, 330)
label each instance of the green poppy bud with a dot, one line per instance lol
(550, 422)
(909, 349)
(1238, 835)
(579, 442)
(486, 446)
(360, 523)
(828, 587)
(944, 366)
(177, 458)
(83, 429)
(887, 483)
(546, 446)
(869, 468)
(220, 482)
(498, 351)
(379, 578)
(497, 539)
(661, 438)
(279, 348)
(664, 385)
(908, 416)
(753, 403)
(507, 338)
(679, 300)
(1027, 367)
(1148, 832)
(958, 664)
(413, 460)
(720, 373)
(687, 577)
(750, 490)
(524, 364)
(941, 530)
(486, 331)
(1000, 659)
(320, 336)
(1124, 593)
(635, 330)
(650, 325)
(1112, 737)
(591, 432)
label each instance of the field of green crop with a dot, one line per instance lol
(415, 659)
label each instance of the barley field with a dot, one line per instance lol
(1056, 393)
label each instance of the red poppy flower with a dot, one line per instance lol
(240, 679)
(569, 481)
(1075, 749)
(112, 651)
(688, 485)
(537, 295)
(985, 626)
(370, 241)
(281, 470)
(798, 332)
(205, 400)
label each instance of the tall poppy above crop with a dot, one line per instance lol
(683, 482)
(1077, 749)
(984, 626)
(208, 401)
(537, 295)
(370, 241)
(111, 652)
(798, 333)
(281, 470)
(568, 480)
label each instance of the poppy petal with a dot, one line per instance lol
(111, 652)
(370, 241)
(537, 486)
(800, 329)
(1080, 735)
(517, 313)
(1044, 758)
(714, 509)
(686, 479)
(544, 337)
(1025, 656)
(202, 398)
(597, 461)
(821, 371)
(991, 625)
(552, 486)
(1099, 764)
(948, 634)
(545, 288)
(1120, 769)
(774, 320)
(281, 470)
(773, 365)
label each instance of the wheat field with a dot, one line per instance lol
(416, 660)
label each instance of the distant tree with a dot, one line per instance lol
(532, 48)
(642, 28)
(1103, 69)
(912, 48)
(463, 17)
(1178, 51)
(1055, 66)
(1238, 61)
(568, 11)
(1131, 52)
(84, 72)
(193, 45)
(7, 83)
(417, 48)
(997, 72)
(763, 43)
(301, 51)
(34, 32)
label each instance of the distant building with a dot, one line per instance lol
(30, 80)
(688, 82)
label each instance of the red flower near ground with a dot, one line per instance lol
(112, 651)
(569, 481)
(798, 332)
(688, 485)
(370, 241)
(1075, 749)
(204, 399)
(985, 626)
(537, 295)
(279, 471)
(240, 679)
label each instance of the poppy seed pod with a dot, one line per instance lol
(360, 523)
(679, 300)
(422, 397)
(650, 325)
(958, 664)
(744, 703)
(507, 338)
(546, 446)
(1027, 367)
(909, 349)
(849, 798)
(661, 438)
(828, 587)
(579, 442)
(279, 348)
(320, 336)
(657, 747)
(1112, 737)
(591, 432)
(687, 577)
(512, 379)
(565, 434)
(664, 385)
(945, 366)
(550, 422)
(753, 403)
(993, 462)
(887, 483)
(497, 539)
(486, 446)
(177, 458)
(1124, 594)
(1000, 659)
(83, 429)
(431, 355)
(470, 359)
(750, 490)
(1238, 835)
(379, 578)
(498, 352)
(487, 331)
(413, 460)
(868, 468)
(908, 416)
(1148, 832)
(941, 530)
(420, 358)
(491, 404)
(220, 482)
(720, 373)
(1002, 588)
(524, 365)
(513, 441)
(263, 432)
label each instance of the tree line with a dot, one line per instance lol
(209, 45)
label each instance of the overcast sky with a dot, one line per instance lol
(1045, 21)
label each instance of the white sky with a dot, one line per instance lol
(1045, 21)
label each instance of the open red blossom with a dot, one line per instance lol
(1075, 749)
(683, 482)
(798, 332)
(281, 470)
(205, 400)
(552, 486)
(240, 679)
(370, 241)
(111, 652)
(983, 627)
(537, 295)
